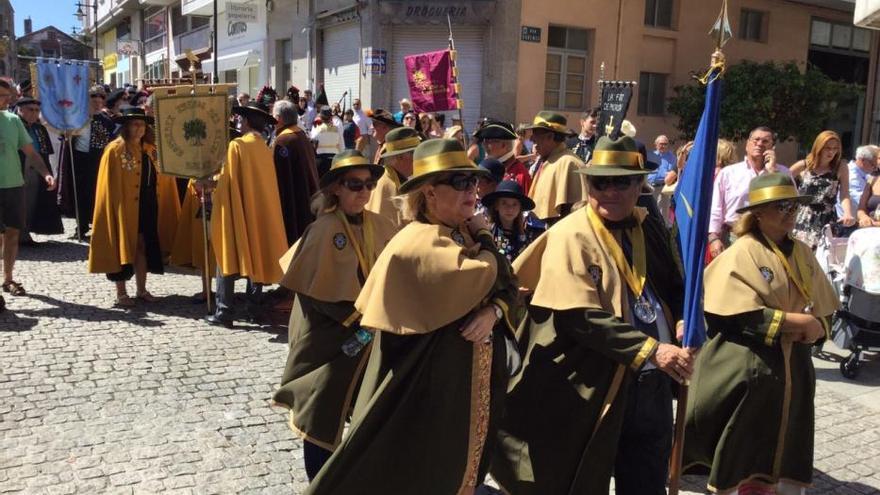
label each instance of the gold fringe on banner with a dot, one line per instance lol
(453, 55)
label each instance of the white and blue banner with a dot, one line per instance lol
(62, 86)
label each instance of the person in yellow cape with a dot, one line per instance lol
(247, 228)
(326, 269)
(189, 241)
(397, 157)
(594, 395)
(438, 301)
(556, 185)
(750, 414)
(136, 209)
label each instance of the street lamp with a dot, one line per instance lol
(80, 15)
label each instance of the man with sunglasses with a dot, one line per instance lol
(88, 146)
(605, 310)
(731, 188)
(556, 185)
(396, 156)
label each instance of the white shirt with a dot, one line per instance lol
(310, 116)
(730, 192)
(329, 139)
(363, 122)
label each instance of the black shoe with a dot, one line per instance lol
(218, 321)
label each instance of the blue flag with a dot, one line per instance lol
(63, 90)
(693, 198)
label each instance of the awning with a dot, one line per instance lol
(232, 61)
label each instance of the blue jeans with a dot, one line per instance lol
(226, 295)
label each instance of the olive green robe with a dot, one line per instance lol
(750, 415)
(565, 409)
(429, 399)
(320, 382)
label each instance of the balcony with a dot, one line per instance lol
(200, 7)
(159, 3)
(193, 40)
(153, 44)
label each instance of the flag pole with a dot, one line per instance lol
(721, 33)
(458, 99)
(69, 143)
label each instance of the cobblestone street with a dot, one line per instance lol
(95, 399)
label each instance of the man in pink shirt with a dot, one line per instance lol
(731, 189)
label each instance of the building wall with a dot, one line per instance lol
(638, 48)
(8, 53)
(50, 42)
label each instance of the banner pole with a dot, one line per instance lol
(678, 441)
(464, 133)
(69, 143)
(206, 272)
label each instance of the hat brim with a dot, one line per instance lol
(332, 175)
(568, 133)
(245, 111)
(797, 199)
(611, 171)
(415, 182)
(389, 122)
(491, 198)
(396, 152)
(125, 118)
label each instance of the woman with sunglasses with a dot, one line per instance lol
(750, 417)
(77, 191)
(325, 269)
(436, 301)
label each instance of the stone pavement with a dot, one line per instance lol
(95, 399)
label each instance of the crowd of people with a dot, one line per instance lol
(509, 300)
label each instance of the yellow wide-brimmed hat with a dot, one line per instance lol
(400, 140)
(771, 188)
(439, 156)
(348, 160)
(613, 157)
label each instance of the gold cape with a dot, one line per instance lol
(735, 283)
(316, 266)
(189, 242)
(424, 280)
(561, 264)
(557, 183)
(115, 220)
(247, 229)
(380, 199)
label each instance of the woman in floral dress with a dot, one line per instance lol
(823, 176)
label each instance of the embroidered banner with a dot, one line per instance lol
(192, 131)
(431, 81)
(63, 90)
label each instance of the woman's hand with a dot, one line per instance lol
(847, 220)
(865, 221)
(479, 327)
(476, 223)
(803, 328)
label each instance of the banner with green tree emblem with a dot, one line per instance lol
(192, 129)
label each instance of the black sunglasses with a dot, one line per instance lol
(460, 182)
(619, 183)
(357, 185)
(96, 95)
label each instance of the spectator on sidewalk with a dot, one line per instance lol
(328, 141)
(405, 107)
(860, 169)
(14, 138)
(582, 145)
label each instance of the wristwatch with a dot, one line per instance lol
(499, 314)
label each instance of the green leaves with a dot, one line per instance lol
(793, 103)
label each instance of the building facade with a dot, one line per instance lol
(49, 42)
(8, 51)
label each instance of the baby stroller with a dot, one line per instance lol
(856, 326)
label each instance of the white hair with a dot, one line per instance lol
(286, 112)
(867, 152)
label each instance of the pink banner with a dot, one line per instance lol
(431, 82)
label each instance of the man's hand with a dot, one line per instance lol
(478, 327)
(847, 220)
(674, 361)
(50, 182)
(770, 160)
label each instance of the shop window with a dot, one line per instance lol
(753, 25)
(566, 73)
(286, 50)
(840, 36)
(658, 13)
(652, 93)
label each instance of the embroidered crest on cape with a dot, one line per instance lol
(457, 237)
(595, 273)
(340, 241)
(283, 151)
(767, 273)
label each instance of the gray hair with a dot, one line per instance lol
(286, 112)
(866, 152)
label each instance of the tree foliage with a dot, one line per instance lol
(793, 103)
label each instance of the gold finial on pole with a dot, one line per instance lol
(721, 30)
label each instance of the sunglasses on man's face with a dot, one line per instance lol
(96, 95)
(460, 182)
(357, 185)
(786, 207)
(618, 183)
